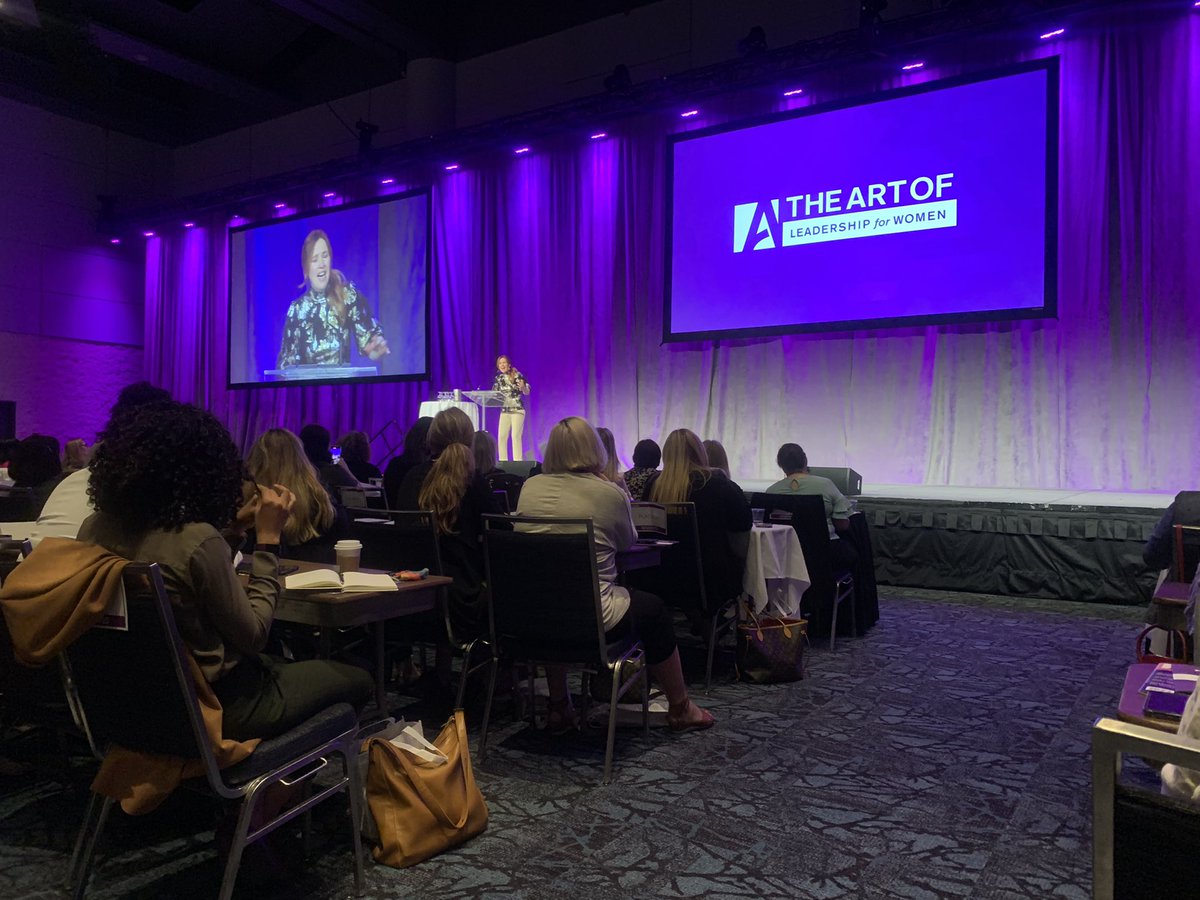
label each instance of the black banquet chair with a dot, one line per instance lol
(829, 589)
(106, 668)
(544, 608)
(1143, 843)
(679, 580)
(409, 540)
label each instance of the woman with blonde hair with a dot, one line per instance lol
(277, 457)
(721, 508)
(612, 468)
(449, 486)
(572, 486)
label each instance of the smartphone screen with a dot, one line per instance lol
(336, 453)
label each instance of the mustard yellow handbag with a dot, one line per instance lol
(423, 808)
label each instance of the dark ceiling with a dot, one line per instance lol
(177, 71)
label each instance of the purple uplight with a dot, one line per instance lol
(190, 224)
(794, 92)
(912, 67)
(280, 205)
(521, 150)
(387, 181)
(599, 134)
(1057, 31)
(114, 240)
(147, 234)
(688, 113)
(329, 195)
(452, 167)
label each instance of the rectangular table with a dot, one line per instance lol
(338, 609)
(1133, 698)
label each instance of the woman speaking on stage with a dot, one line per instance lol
(321, 321)
(513, 386)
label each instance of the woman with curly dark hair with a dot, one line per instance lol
(164, 482)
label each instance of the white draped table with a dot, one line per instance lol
(431, 408)
(776, 575)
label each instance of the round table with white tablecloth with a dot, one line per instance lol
(776, 576)
(431, 408)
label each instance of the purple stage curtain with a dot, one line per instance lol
(556, 258)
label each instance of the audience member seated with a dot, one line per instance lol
(483, 447)
(612, 467)
(496, 479)
(316, 523)
(458, 497)
(718, 460)
(356, 454)
(415, 452)
(76, 455)
(157, 504)
(794, 463)
(34, 465)
(721, 509)
(334, 475)
(646, 457)
(1159, 552)
(69, 504)
(571, 486)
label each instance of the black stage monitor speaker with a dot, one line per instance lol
(517, 468)
(8, 419)
(847, 480)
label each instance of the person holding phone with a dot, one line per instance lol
(513, 386)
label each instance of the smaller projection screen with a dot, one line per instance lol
(330, 297)
(930, 204)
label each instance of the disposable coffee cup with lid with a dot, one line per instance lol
(348, 553)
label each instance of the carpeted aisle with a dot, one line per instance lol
(946, 754)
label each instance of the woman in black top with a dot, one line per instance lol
(721, 508)
(356, 454)
(415, 453)
(449, 486)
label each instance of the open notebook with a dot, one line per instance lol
(328, 580)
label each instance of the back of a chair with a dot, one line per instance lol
(679, 578)
(132, 680)
(17, 505)
(508, 482)
(354, 498)
(12, 551)
(407, 541)
(11, 554)
(544, 588)
(806, 514)
(1187, 552)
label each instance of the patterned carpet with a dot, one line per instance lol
(945, 754)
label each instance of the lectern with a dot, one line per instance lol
(485, 400)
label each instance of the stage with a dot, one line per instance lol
(1024, 542)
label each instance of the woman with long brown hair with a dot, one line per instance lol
(456, 494)
(321, 321)
(721, 508)
(277, 457)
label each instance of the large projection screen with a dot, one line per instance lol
(340, 295)
(931, 204)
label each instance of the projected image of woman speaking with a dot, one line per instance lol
(321, 321)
